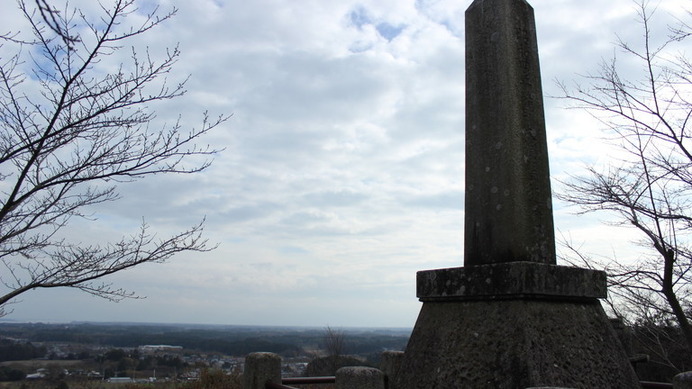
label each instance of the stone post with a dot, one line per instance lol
(359, 377)
(261, 368)
(683, 380)
(390, 364)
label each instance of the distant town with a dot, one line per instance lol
(134, 352)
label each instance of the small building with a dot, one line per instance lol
(120, 380)
(159, 348)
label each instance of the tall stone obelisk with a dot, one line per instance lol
(510, 318)
(508, 208)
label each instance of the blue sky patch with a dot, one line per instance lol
(388, 31)
(359, 17)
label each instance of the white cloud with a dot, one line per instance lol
(342, 173)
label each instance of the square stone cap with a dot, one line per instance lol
(510, 280)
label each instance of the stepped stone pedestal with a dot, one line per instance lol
(514, 326)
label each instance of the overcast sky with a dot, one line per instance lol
(343, 168)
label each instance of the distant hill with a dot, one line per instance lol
(226, 339)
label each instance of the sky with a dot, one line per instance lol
(342, 170)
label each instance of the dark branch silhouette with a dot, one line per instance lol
(649, 187)
(71, 130)
(51, 17)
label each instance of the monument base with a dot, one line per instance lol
(511, 280)
(514, 344)
(525, 336)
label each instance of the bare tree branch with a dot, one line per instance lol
(649, 188)
(70, 131)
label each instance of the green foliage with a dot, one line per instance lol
(14, 351)
(120, 362)
(10, 374)
(115, 355)
(119, 358)
(127, 364)
(229, 340)
(145, 363)
(170, 361)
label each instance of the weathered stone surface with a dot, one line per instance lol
(510, 344)
(328, 365)
(359, 377)
(510, 280)
(261, 368)
(683, 380)
(390, 364)
(508, 211)
(510, 318)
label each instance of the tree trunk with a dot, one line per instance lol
(678, 311)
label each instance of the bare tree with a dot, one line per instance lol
(635, 301)
(51, 18)
(648, 186)
(73, 128)
(333, 342)
(334, 346)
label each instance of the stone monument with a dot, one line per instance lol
(510, 318)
